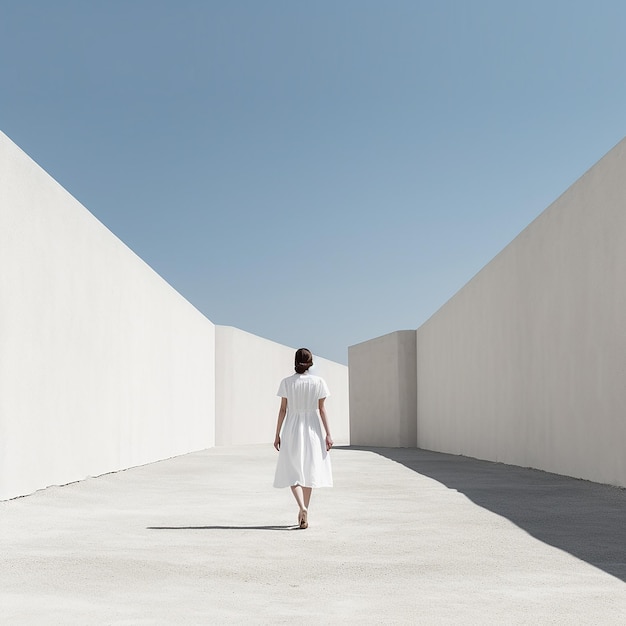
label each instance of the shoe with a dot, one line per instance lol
(302, 519)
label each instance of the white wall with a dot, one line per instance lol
(248, 372)
(102, 364)
(383, 395)
(527, 363)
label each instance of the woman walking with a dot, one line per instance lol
(303, 450)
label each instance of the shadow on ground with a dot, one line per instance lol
(223, 528)
(586, 519)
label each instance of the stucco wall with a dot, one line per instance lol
(102, 364)
(527, 363)
(248, 372)
(383, 391)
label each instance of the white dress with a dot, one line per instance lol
(303, 458)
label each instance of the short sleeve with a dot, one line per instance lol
(322, 391)
(282, 389)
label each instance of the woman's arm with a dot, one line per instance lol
(279, 424)
(322, 408)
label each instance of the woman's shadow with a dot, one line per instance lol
(223, 528)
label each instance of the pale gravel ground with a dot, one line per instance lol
(418, 538)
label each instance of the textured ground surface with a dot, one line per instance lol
(405, 537)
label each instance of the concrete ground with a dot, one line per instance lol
(405, 537)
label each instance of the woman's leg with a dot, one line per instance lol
(302, 496)
(306, 492)
(298, 494)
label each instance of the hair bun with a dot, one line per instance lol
(303, 360)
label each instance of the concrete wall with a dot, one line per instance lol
(102, 364)
(527, 363)
(248, 372)
(383, 394)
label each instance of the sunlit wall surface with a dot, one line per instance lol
(527, 363)
(102, 364)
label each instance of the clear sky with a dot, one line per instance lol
(317, 173)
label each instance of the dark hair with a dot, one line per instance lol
(303, 360)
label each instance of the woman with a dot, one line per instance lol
(303, 451)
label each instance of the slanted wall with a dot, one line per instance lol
(527, 363)
(102, 364)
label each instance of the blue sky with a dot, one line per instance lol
(317, 173)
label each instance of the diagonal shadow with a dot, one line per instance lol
(223, 528)
(586, 519)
